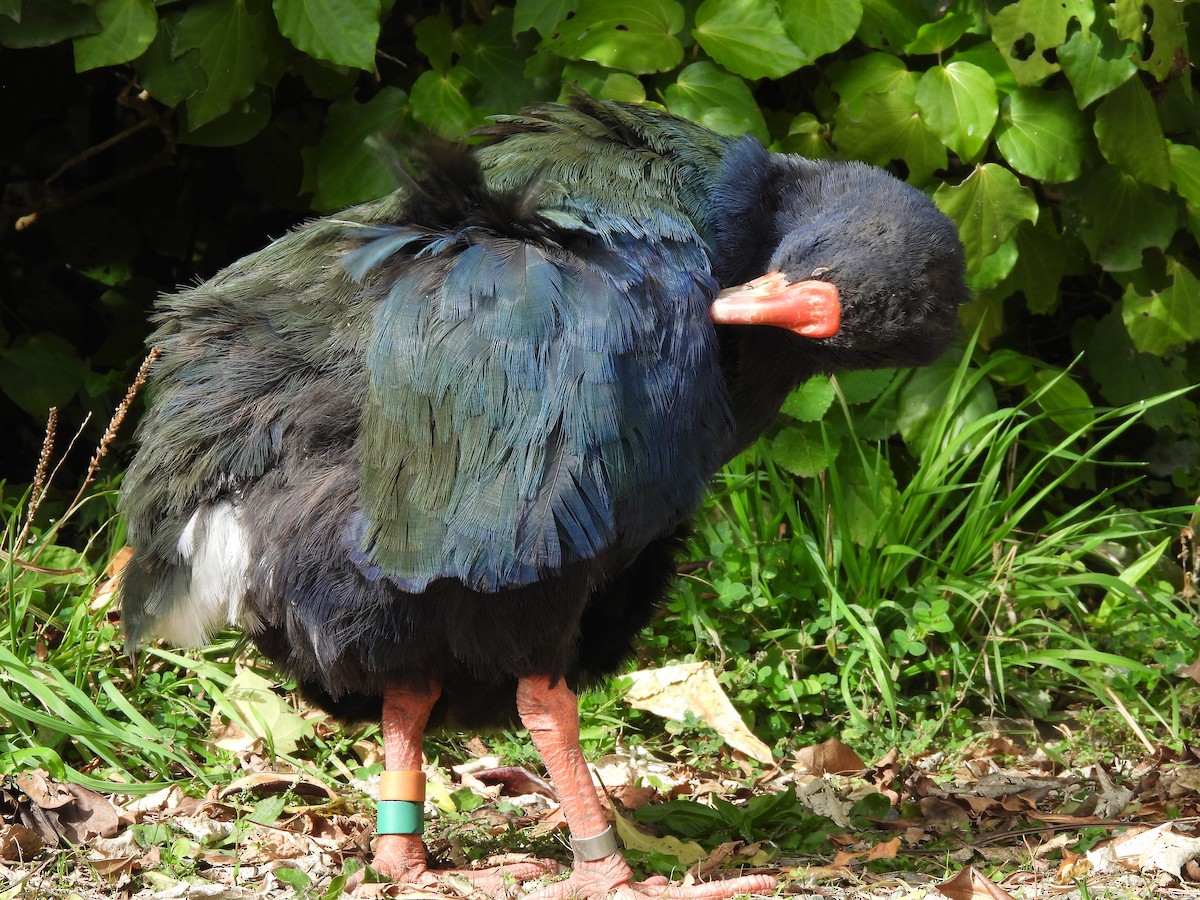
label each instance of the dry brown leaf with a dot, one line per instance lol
(886, 850)
(1140, 850)
(1072, 868)
(674, 691)
(18, 843)
(830, 757)
(112, 579)
(971, 884)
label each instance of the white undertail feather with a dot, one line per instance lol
(214, 545)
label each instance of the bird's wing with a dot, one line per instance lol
(530, 403)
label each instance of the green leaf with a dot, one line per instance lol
(1126, 376)
(638, 36)
(243, 121)
(890, 128)
(1131, 136)
(870, 493)
(40, 371)
(923, 398)
(988, 58)
(887, 24)
(1166, 36)
(806, 136)
(264, 713)
(498, 64)
(876, 73)
(1041, 264)
(818, 27)
(802, 450)
(1027, 33)
(714, 98)
(994, 268)
(958, 103)
(747, 37)
(1096, 62)
(439, 102)
(47, 22)
(1041, 134)
(863, 386)
(168, 79)
(541, 15)
(1064, 401)
(1120, 217)
(988, 206)
(810, 401)
(11, 9)
(232, 44)
(1185, 173)
(127, 28)
(1167, 319)
(340, 31)
(342, 170)
(935, 38)
(435, 38)
(624, 87)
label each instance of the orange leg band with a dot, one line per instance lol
(402, 786)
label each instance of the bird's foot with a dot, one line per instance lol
(404, 863)
(611, 877)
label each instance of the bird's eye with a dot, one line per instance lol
(819, 272)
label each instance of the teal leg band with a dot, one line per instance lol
(400, 817)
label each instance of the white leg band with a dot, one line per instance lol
(597, 847)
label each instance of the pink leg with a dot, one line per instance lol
(401, 857)
(551, 713)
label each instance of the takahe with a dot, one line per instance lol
(437, 454)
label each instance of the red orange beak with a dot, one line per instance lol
(809, 308)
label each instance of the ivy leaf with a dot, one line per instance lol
(232, 44)
(747, 37)
(818, 27)
(342, 169)
(46, 22)
(958, 103)
(540, 15)
(1096, 62)
(1028, 31)
(340, 31)
(1120, 217)
(717, 100)
(168, 79)
(887, 24)
(439, 102)
(810, 401)
(988, 206)
(1041, 134)
(126, 29)
(802, 450)
(1131, 136)
(890, 128)
(635, 35)
(1167, 319)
